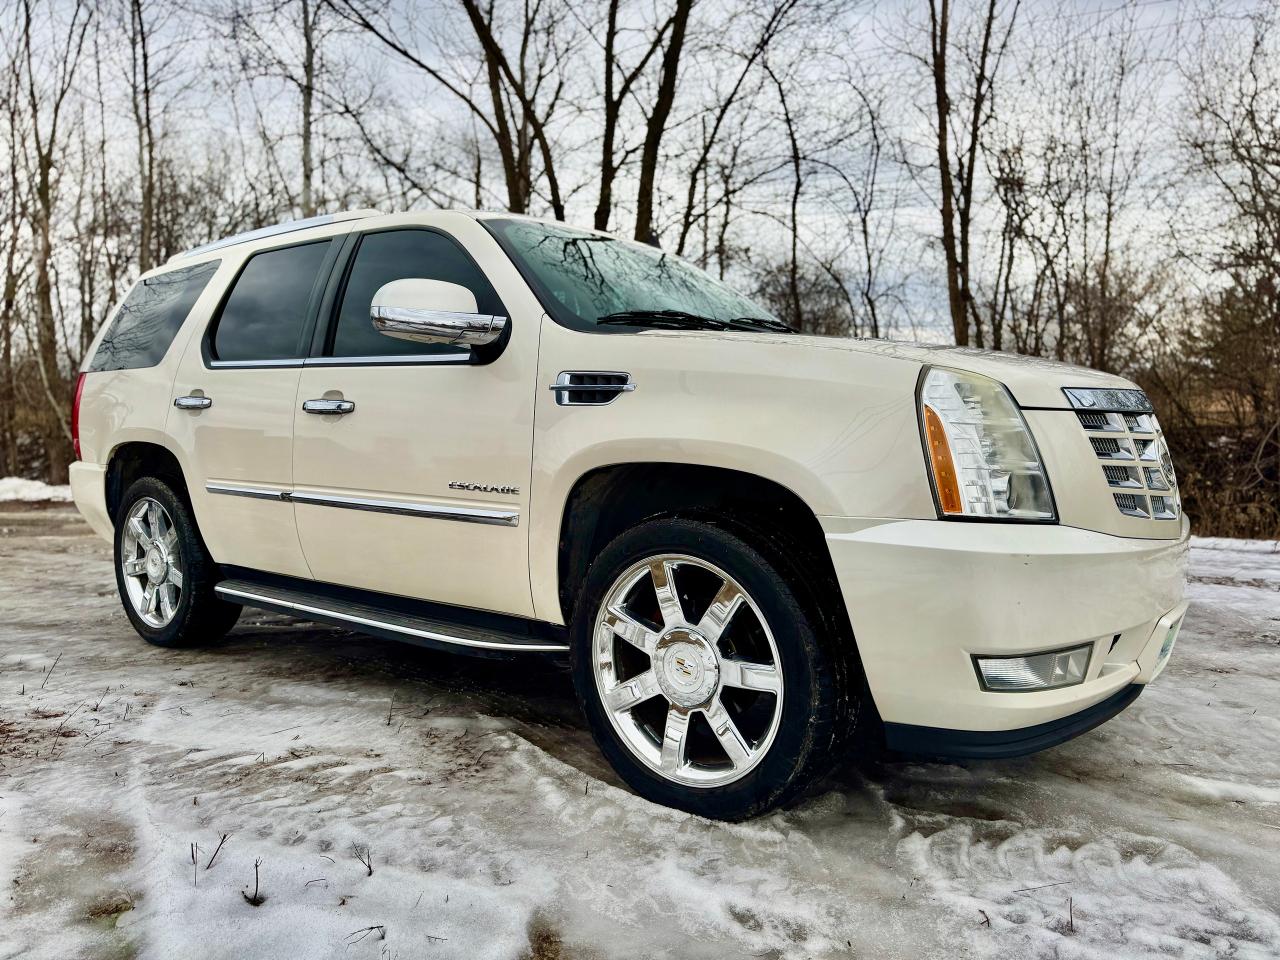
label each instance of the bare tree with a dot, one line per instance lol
(963, 107)
(513, 97)
(14, 220)
(1065, 281)
(286, 42)
(776, 18)
(656, 125)
(1233, 140)
(619, 82)
(795, 159)
(49, 67)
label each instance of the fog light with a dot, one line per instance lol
(1040, 671)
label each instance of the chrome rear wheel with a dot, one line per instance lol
(687, 670)
(151, 562)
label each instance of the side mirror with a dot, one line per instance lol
(432, 311)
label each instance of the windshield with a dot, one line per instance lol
(587, 281)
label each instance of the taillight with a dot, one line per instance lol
(75, 415)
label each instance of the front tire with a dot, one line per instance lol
(703, 677)
(163, 571)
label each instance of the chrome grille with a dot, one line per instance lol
(1126, 437)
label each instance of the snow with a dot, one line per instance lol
(31, 491)
(496, 830)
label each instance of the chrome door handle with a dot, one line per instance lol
(193, 403)
(328, 407)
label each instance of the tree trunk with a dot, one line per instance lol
(308, 95)
(141, 68)
(612, 107)
(657, 124)
(939, 22)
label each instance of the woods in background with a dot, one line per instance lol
(1098, 183)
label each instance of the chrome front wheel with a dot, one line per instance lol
(687, 670)
(151, 562)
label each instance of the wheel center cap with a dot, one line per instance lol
(686, 667)
(157, 566)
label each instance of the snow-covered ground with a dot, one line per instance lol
(493, 829)
(31, 491)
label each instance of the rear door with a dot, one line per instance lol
(233, 407)
(422, 490)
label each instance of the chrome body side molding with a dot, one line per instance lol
(235, 490)
(505, 518)
(502, 518)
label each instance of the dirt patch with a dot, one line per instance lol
(545, 942)
(109, 907)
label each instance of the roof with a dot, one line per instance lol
(276, 229)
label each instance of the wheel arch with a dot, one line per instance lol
(134, 459)
(607, 500)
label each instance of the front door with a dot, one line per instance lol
(422, 489)
(234, 400)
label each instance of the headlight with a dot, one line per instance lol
(982, 458)
(1039, 671)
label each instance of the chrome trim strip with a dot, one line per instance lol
(251, 598)
(1108, 399)
(391, 359)
(502, 518)
(408, 358)
(256, 493)
(592, 387)
(232, 364)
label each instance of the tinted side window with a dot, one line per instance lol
(266, 313)
(398, 255)
(150, 318)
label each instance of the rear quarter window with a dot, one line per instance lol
(146, 323)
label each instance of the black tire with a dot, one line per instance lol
(820, 704)
(199, 616)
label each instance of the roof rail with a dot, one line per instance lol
(287, 226)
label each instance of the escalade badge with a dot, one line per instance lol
(484, 487)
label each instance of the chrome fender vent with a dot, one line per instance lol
(590, 388)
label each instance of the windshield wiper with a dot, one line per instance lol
(680, 320)
(764, 323)
(674, 319)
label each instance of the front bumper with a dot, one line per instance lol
(925, 596)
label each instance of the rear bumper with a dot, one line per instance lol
(999, 744)
(89, 489)
(925, 597)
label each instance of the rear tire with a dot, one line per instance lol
(163, 571)
(720, 696)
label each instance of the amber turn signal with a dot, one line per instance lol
(944, 470)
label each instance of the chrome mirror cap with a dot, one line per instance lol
(432, 311)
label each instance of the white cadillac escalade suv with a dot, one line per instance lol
(508, 437)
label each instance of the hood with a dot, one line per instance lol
(1033, 381)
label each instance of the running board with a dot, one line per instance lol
(394, 618)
